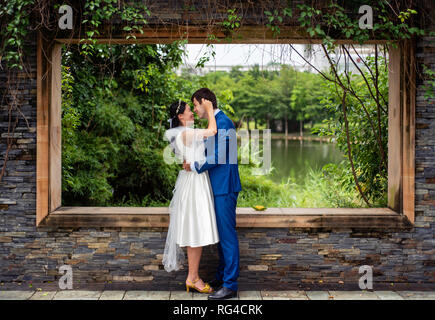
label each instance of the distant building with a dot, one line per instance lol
(226, 68)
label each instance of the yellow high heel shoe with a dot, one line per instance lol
(206, 289)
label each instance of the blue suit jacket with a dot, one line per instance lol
(223, 173)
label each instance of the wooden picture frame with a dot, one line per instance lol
(401, 147)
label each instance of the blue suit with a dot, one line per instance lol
(223, 170)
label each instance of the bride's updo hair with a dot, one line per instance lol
(174, 110)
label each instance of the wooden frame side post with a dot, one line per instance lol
(408, 129)
(48, 94)
(42, 132)
(394, 130)
(56, 128)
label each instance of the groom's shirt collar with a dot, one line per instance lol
(216, 111)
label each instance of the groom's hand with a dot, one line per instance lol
(186, 166)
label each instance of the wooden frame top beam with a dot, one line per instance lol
(200, 35)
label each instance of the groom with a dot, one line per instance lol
(223, 171)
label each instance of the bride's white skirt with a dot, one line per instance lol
(192, 218)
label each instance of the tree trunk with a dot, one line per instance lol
(247, 123)
(286, 127)
(267, 122)
(255, 120)
(301, 127)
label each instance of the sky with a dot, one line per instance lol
(261, 54)
(244, 54)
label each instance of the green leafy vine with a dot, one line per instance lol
(231, 23)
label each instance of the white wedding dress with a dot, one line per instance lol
(192, 215)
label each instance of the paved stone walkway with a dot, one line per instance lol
(242, 295)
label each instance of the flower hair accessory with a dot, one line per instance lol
(178, 108)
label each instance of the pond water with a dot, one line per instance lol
(292, 159)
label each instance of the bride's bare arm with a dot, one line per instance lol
(212, 126)
(189, 135)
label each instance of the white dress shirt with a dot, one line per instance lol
(192, 165)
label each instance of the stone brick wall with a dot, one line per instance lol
(273, 258)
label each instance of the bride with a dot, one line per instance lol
(192, 215)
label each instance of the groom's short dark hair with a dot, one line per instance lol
(205, 93)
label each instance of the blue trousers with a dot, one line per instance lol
(228, 245)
